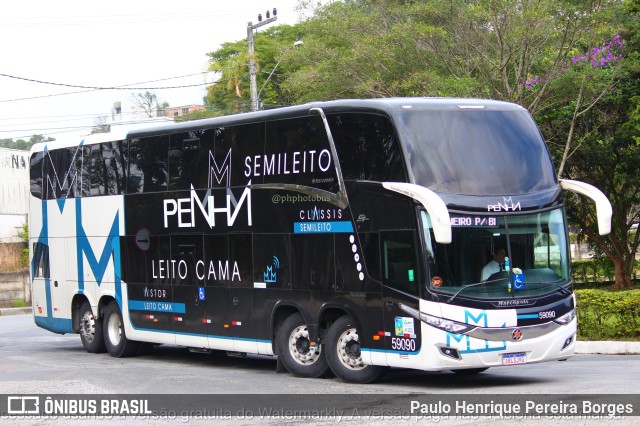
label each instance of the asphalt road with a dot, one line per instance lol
(35, 361)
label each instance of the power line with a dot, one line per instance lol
(123, 87)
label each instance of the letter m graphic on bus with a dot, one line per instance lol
(98, 264)
(467, 344)
(218, 173)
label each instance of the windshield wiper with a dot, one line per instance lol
(555, 283)
(464, 287)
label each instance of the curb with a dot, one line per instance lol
(15, 311)
(603, 348)
(608, 348)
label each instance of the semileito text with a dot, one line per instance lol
(284, 163)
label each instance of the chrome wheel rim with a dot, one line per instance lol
(348, 348)
(88, 327)
(114, 330)
(300, 347)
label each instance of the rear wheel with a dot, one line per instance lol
(115, 338)
(295, 349)
(91, 333)
(343, 354)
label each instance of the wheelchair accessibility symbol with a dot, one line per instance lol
(201, 295)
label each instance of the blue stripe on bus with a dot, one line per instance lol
(156, 306)
(527, 316)
(322, 227)
(57, 325)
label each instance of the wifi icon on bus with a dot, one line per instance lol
(270, 275)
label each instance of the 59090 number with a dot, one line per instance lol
(401, 344)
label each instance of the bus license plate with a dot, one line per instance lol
(511, 359)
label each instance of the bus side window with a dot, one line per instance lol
(399, 264)
(40, 260)
(97, 172)
(148, 170)
(367, 147)
(185, 152)
(113, 167)
(36, 174)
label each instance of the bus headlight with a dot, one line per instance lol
(437, 322)
(566, 318)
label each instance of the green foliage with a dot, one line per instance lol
(197, 115)
(550, 56)
(608, 315)
(273, 46)
(24, 236)
(23, 144)
(598, 271)
(19, 303)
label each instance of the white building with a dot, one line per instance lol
(14, 192)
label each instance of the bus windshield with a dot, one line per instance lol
(477, 152)
(497, 257)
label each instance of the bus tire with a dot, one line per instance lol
(90, 332)
(115, 338)
(342, 349)
(295, 351)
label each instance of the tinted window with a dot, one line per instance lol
(97, 176)
(367, 147)
(399, 266)
(298, 152)
(477, 152)
(58, 173)
(114, 170)
(234, 146)
(189, 155)
(41, 260)
(148, 168)
(36, 174)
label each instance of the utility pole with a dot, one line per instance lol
(253, 84)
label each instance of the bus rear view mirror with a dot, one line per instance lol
(603, 206)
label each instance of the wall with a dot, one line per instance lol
(14, 181)
(10, 256)
(14, 285)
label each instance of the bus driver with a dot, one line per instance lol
(495, 265)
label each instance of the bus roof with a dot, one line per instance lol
(390, 106)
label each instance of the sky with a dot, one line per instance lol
(112, 43)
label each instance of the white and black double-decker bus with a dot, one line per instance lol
(348, 235)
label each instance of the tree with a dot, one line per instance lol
(230, 94)
(148, 103)
(100, 125)
(608, 150)
(24, 145)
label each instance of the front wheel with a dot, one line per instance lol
(295, 349)
(343, 354)
(91, 333)
(114, 336)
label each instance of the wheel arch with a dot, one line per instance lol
(76, 302)
(282, 310)
(330, 312)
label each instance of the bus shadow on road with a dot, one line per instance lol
(492, 378)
